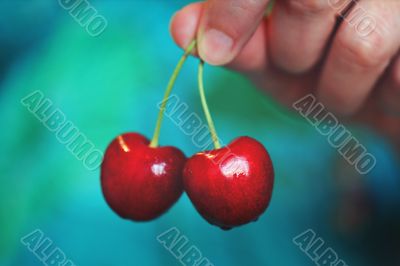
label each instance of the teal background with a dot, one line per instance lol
(111, 84)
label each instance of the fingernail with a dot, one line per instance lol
(215, 47)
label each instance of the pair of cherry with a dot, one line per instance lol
(229, 186)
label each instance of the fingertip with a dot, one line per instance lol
(183, 24)
(226, 27)
(175, 29)
(215, 47)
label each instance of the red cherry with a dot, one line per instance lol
(230, 186)
(140, 182)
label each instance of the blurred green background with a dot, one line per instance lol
(111, 84)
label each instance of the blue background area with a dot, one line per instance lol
(112, 84)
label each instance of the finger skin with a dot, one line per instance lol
(253, 60)
(299, 32)
(253, 56)
(357, 60)
(226, 26)
(184, 24)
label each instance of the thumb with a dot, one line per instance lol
(226, 26)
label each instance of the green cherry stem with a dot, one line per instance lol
(211, 127)
(156, 135)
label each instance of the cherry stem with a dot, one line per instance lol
(177, 70)
(211, 127)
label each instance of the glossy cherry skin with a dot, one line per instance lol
(139, 182)
(230, 186)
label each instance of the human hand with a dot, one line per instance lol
(351, 64)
